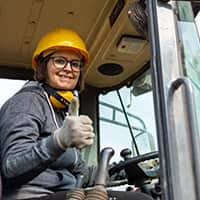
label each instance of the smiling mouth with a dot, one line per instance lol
(65, 76)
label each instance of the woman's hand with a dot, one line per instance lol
(76, 131)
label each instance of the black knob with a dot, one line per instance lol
(126, 154)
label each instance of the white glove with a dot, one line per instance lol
(76, 131)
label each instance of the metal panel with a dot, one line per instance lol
(175, 145)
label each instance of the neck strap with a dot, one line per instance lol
(59, 98)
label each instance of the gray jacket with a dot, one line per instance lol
(32, 164)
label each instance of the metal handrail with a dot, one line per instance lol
(192, 123)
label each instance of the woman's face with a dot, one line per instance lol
(63, 78)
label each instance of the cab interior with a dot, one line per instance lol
(115, 33)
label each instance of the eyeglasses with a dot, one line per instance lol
(61, 62)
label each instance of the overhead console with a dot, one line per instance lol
(120, 48)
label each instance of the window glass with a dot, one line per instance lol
(190, 40)
(197, 20)
(127, 118)
(8, 88)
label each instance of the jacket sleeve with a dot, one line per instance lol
(24, 154)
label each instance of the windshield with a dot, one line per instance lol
(127, 118)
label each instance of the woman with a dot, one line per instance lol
(39, 138)
(39, 153)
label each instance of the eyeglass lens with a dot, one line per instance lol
(61, 62)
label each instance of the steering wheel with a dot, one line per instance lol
(138, 169)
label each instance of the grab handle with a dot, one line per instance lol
(192, 122)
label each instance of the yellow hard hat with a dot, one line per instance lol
(59, 38)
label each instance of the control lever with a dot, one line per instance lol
(79, 181)
(102, 170)
(77, 193)
(98, 192)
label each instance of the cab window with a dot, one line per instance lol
(127, 118)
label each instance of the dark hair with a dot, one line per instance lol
(40, 73)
